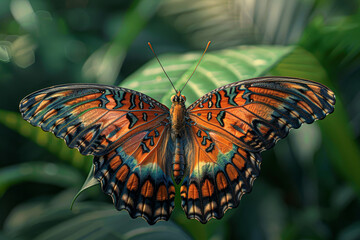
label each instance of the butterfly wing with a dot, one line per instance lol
(231, 125)
(126, 131)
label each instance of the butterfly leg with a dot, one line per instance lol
(178, 164)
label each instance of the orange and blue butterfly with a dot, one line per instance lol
(212, 148)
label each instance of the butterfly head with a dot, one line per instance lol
(178, 98)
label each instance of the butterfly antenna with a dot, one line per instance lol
(208, 44)
(162, 66)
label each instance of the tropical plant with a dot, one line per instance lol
(309, 186)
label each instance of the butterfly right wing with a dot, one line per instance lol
(127, 132)
(231, 125)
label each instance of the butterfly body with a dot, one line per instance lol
(141, 147)
(178, 120)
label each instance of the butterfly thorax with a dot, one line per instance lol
(177, 119)
(177, 116)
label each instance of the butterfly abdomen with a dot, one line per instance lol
(177, 118)
(178, 164)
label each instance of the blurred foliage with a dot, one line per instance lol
(309, 186)
(46, 140)
(233, 22)
(90, 220)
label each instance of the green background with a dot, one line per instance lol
(309, 187)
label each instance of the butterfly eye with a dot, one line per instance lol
(183, 98)
(175, 98)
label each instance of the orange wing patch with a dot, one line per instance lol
(231, 172)
(162, 193)
(221, 181)
(193, 192)
(133, 182)
(82, 99)
(207, 188)
(147, 189)
(115, 162)
(122, 174)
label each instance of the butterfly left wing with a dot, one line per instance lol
(126, 131)
(231, 125)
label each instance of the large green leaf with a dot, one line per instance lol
(226, 66)
(217, 68)
(230, 65)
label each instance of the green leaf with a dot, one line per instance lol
(217, 69)
(226, 66)
(49, 173)
(222, 67)
(89, 182)
(44, 139)
(110, 224)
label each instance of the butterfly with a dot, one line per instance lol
(212, 148)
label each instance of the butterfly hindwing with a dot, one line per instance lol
(126, 131)
(231, 125)
(136, 175)
(220, 172)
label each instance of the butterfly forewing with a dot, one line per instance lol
(255, 113)
(126, 131)
(231, 125)
(92, 118)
